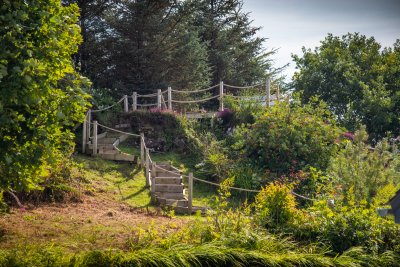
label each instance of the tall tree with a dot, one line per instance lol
(41, 95)
(143, 45)
(235, 53)
(356, 79)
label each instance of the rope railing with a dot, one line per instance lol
(106, 108)
(194, 101)
(164, 99)
(112, 129)
(195, 91)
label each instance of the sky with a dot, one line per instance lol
(291, 24)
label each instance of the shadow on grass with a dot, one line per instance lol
(144, 188)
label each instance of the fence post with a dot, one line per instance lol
(268, 91)
(95, 138)
(221, 96)
(190, 193)
(169, 98)
(126, 103)
(84, 134)
(159, 98)
(134, 100)
(278, 95)
(147, 169)
(88, 125)
(153, 177)
(142, 149)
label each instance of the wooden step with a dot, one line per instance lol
(118, 157)
(107, 140)
(172, 202)
(168, 180)
(169, 195)
(161, 173)
(172, 188)
(102, 146)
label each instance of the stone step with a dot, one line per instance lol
(172, 188)
(169, 195)
(168, 180)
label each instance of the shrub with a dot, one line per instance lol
(288, 138)
(275, 205)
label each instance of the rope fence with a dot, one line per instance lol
(106, 108)
(166, 98)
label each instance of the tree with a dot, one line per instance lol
(144, 45)
(356, 79)
(236, 56)
(41, 95)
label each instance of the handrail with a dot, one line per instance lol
(194, 91)
(115, 130)
(98, 110)
(194, 101)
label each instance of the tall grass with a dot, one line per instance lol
(209, 254)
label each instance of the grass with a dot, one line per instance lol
(124, 180)
(114, 205)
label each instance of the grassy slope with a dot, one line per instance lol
(114, 206)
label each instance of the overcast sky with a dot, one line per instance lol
(292, 24)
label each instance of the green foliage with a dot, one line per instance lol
(358, 81)
(359, 172)
(275, 205)
(41, 96)
(183, 44)
(343, 227)
(288, 138)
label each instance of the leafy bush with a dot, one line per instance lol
(275, 205)
(288, 138)
(41, 95)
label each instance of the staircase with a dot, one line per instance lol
(169, 189)
(107, 143)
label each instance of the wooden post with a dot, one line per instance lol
(126, 108)
(142, 149)
(84, 134)
(147, 169)
(278, 95)
(159, 98)
(88, 125)
(190, 193)
(268, 91)
(95, 138)
(134, 99)
(221, 96)
(153, 176)
(169, 98)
